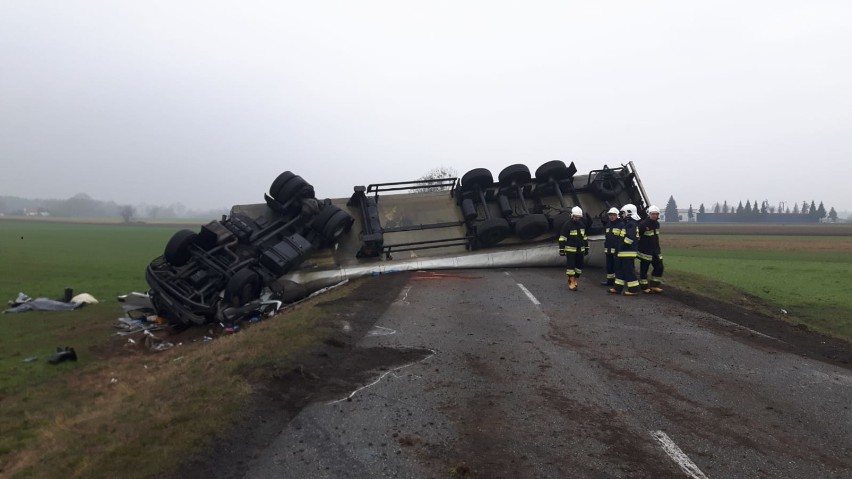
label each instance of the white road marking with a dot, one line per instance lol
(384, 331)
(529, 295)
(353, 393)
(404, 295)
(682, 460)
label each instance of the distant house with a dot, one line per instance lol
(36, 212)
(682, 213)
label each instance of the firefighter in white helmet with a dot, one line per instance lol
(625, 278)
(573, 244)
(649, 252)
(612, 237)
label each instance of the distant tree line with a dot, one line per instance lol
(82, 205)
(808, 212)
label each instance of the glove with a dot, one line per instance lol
(561, 251)
(585, 251)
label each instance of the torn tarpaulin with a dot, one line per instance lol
(25, 303)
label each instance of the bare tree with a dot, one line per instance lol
(126, 212)
(439, 173)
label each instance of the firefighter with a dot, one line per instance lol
(626, 281)
(649, 252)
(613, 236)
(573, 244)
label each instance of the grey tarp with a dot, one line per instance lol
(43, 304)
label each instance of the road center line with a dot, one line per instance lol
(529, 295)
(682, 460)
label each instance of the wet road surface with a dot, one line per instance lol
(509, 374)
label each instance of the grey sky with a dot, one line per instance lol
(204, 102)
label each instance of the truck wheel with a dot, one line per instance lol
(492, 231)
(477, 177)
(559, 220)
(555, 169)
(177, 249)
(608, 185)
(331, 223)
(279, 182)
(295, 186)
(517, 174)
(243, 287)
(531, 226)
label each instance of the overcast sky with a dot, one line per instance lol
(205, 103)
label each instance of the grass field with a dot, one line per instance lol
(99, 416)
(102, 415)
(806, 277)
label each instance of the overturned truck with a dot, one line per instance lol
(294, 244)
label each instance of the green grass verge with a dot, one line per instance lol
(812, 287)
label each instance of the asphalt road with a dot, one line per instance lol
(517, 377)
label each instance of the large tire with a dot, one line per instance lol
(514, 174)
(295, 186)
(177, 249)
(331, 223)
(480, 177)
(555, 169)
(608, 184)
(280, 181)
(531, 226)
(243, 287)
(559, 220)
(492, 231)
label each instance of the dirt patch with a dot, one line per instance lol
(330, 371)
(796, 339)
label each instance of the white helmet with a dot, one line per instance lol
(612, 211)
(653, 209)
(576, 211)
(630, 210)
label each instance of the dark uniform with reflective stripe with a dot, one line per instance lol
(649, 255)
(612, 239)
(627, 251)
(573, 241)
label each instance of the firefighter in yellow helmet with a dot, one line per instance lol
(573, 244)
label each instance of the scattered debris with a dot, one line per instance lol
(155, 344)
(31, 359)
(61, 355)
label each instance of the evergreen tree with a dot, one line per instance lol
(804, 207)
(689, 214)
(671, 211)
(747, 209)
(832, 215)
(812, 210)
(795, 208)
(725, 207)
(740, 208)
(821, 211)
(764, 207)
(701, 208)
(717, 208)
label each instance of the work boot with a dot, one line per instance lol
(657, 289)
(630, 293)
(647, 291)
(613, 291)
